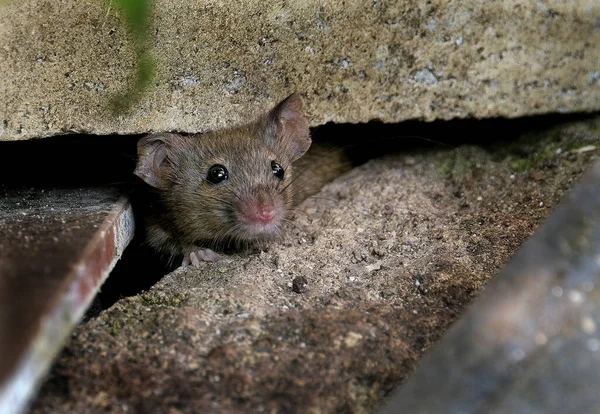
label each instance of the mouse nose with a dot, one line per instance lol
(265, 212)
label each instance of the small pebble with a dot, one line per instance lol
(536, 175)
(374, 266)
(299, 284)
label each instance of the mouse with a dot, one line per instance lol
(231, 187)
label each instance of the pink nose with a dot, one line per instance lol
(265, 213)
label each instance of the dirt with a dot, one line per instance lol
(370, 274)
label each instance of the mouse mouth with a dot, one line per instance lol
(256, 228)
(260, 216)
(260, 231)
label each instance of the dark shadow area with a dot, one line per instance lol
(373, 139)
(91, 160)
(68, 161)
(138, 270)
(87, 160)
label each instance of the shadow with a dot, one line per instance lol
(374, 139)
(68, 161)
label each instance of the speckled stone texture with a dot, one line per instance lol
(370, 274)
(530, 343)
(353, 61)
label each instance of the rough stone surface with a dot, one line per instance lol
(371, 273)
(218, 62)
(529, 343)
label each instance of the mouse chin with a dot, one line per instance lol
(260, 231)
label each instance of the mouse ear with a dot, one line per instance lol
(287, 129)
(153, 164)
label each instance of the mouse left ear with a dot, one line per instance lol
(287, 129)
(155, 163)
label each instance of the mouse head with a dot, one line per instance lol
(231, 184)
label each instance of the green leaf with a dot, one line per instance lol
(136, 16)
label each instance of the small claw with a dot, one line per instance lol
(199, 256)
(194, 259)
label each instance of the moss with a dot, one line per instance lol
(446, 166)
(543, 148)
(525, 152)
(116, 326)
(169, 300)
(461, 161)
(533, 150)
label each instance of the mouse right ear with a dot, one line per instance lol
(287, 129)
(153, 164)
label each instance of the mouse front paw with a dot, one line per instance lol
(200, 255)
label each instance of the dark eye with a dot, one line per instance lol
(217, 174)
(277, 170)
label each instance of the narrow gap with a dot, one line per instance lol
(88, 160)
(68, 161)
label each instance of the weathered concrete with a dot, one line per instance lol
(218, 62)
(530, 343)
(56, 249)
(371, 273)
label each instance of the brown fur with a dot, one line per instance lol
(183, 211)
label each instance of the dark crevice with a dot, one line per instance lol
(88, 160)
(138, 270)
(68, 161)
(91, 160)
(373, 139)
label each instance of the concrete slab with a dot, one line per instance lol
(220, 62)
(530, 342)
(56, 248)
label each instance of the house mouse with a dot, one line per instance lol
(229, 187)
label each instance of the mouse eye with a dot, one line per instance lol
(217, 174)
(277, 170)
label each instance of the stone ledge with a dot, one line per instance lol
(530, 342)
(354, 61)
(56, 249)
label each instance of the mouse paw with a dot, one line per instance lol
(200, 255)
